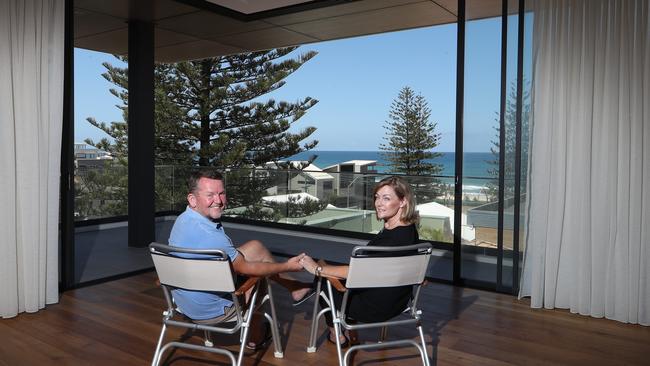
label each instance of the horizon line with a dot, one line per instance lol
(444, 152)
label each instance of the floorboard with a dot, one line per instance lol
(117, 323)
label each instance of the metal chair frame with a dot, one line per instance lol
(208, 270)
(406, 269)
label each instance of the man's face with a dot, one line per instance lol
(209, 199)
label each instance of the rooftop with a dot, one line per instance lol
(359, 162)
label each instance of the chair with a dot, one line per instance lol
(400, 266)
(208, 270)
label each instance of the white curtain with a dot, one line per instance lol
(588, 243)
(31, 113)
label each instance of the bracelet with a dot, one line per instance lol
(318, 271)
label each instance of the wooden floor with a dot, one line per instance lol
(117, 323)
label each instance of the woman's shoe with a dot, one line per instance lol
(344, 344)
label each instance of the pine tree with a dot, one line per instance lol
(209, 113)
(492, 187)
(410, 137)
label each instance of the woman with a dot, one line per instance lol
(395, 205)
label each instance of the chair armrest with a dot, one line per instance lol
(335, 281)
(246, 286)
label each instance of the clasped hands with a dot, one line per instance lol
(308, 264)
(303, 262)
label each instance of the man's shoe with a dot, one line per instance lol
(261, 344)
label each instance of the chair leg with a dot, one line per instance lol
(425, 356)
(207, 339)
(247, 319)
(275, 332)
(156, 354)
(311, 346)
(338, 331)
(337, 322)
(244, 338)
(383, 334)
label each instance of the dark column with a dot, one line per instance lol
(520, 98)
(141, 133)
(460, 100)
(66, 211)
(502, 142)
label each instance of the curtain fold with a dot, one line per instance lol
(31, 115)
(589, 178)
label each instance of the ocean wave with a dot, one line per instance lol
(469, 188)
(473, 189)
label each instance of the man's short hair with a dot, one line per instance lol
(195, 176)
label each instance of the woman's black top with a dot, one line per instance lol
(380, 304)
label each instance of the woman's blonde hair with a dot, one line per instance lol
(404, 192)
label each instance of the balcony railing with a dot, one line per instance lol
(327, 200)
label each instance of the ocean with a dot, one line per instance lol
(475, 164)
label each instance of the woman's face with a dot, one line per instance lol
(387, 204)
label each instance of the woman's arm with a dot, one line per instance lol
(326, 270)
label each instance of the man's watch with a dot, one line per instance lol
(318, 270)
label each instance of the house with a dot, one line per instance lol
(354, 180)
(314, 181)
(87, 158)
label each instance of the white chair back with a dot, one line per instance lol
(388, 266)
(387, 272)
(205, 270)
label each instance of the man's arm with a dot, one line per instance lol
(263, 268)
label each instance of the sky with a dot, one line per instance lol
(355, 81)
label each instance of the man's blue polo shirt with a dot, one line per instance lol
(193, 230)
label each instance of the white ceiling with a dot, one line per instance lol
(203, 29)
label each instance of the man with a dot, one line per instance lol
(198, 227)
